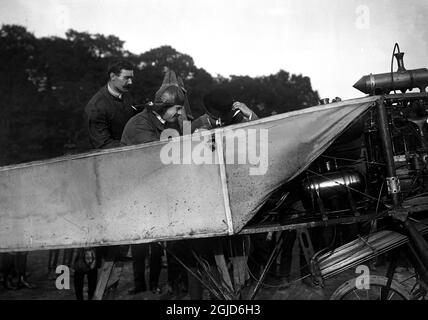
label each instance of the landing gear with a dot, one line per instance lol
(378, 290)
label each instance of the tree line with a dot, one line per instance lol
(46, 82)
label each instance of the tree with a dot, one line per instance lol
(98, 45)
(275, 93)
(19, 86)
(152, 66)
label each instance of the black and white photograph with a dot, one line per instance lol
(209, 155)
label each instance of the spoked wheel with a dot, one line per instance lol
(349, 290)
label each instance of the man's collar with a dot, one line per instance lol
(114, 92)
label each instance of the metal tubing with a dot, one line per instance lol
(418, 265)
(418, 241)
(272, 258)
(311, 224)
(387, 145)
(389, 275)
(188, 269)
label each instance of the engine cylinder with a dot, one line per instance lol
(332, 188)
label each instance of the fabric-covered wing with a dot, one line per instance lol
(128, 195)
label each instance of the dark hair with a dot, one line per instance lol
(118, 65)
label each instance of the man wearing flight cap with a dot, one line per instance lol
(169, 109)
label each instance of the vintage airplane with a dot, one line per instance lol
(219, 183)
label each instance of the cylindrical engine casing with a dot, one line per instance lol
(384, 83)
(331, 187)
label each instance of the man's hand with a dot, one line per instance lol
(244, 109)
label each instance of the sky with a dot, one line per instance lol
(334, 42)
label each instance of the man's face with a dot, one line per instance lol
(123, 81)
(172, 113)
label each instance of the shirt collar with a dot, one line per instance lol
(114, 92)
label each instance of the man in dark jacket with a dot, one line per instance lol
(111, 107)
(222, 110)
(107, 113)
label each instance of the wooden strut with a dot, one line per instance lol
(109, 277)
(311, 224)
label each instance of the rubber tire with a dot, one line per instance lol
(380, 281)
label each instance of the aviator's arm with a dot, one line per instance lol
(248, 113)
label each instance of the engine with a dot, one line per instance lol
(354, 166)
(333, 190)
(408, 121)
(350, 177)
(337, 179)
